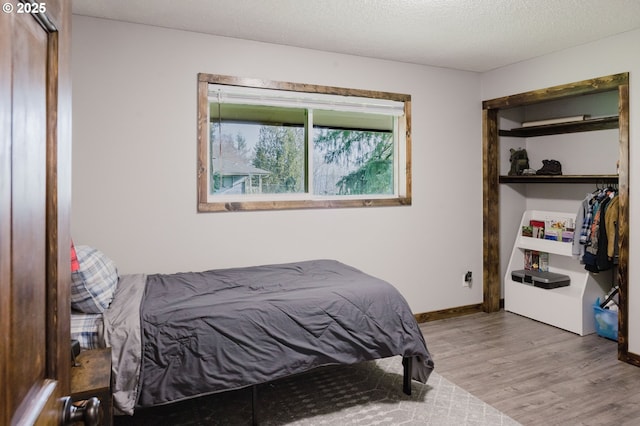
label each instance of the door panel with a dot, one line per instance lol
(34, 228)
(28, 207)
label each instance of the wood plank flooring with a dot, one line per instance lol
(535, 373)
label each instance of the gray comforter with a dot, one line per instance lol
(227, 329)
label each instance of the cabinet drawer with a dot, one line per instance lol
(91, 376)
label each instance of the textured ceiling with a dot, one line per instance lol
(473, 35)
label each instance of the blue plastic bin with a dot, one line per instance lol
(606, 321)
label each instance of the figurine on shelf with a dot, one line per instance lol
(519, 161)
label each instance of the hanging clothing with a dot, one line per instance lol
(598, 219)
(596, 256)
(611, 224)
(583, 219)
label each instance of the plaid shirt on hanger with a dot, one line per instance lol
(585, 230)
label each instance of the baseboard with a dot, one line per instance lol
(448, 313)
(630, 358)
(451, 312)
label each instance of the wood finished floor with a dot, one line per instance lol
(535, 373)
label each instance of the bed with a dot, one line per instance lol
(177, 336)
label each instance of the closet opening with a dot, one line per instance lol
(584, 126)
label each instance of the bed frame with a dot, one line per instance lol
(406, 388)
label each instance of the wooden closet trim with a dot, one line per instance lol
(491, 189)
(623, 227)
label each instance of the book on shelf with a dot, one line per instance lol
(527, 259)
(559, 229)
(537, 228)
(550, 228)
(543, 263)
(557, 120)
(535, 260)
(567, 236)
(553, 235)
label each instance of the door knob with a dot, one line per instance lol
(87, 412)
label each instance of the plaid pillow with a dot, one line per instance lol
(87, 330)
(93, 285)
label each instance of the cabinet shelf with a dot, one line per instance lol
(605, 179)
(570, 307)
(540, 244)
(560, 128)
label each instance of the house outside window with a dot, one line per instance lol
(266, 145)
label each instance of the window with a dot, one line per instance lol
(266, 145)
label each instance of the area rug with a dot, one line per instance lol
(368, 393)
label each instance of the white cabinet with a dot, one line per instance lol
(569, 308)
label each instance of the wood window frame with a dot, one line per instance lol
(204, 205)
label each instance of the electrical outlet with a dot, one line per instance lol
(466, 279)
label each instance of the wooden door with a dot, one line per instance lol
(35, 190)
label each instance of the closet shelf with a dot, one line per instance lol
(605, 179)
(570, 307)
(540, 244)
(559, 128)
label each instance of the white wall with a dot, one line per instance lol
(134, 164)
(608, 56)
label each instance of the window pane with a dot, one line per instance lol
(256, 150)
(280, 150)
(353, 154)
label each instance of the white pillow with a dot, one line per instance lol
(93, 285)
